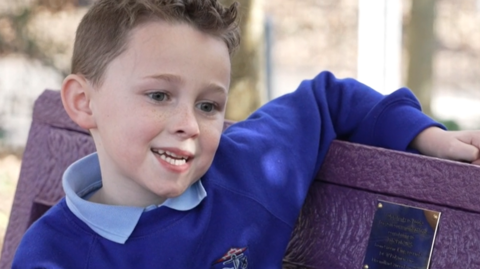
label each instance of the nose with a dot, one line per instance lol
(184, 123)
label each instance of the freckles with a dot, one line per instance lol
(158, 114)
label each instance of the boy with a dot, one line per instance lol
(166, 189)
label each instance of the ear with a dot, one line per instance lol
(76, 94)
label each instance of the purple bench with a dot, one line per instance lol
(334, 225)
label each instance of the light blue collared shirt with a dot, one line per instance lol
(115, 223)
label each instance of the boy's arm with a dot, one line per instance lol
(361, 115)
(454, 145)
(396, 122)
(282, 145)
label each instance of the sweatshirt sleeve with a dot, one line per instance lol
(362, 115)
(274, 154)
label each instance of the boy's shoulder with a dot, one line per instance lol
(60, 221)
(56, 236)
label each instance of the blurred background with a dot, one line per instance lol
(430, 46)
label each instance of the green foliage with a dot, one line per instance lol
(19, 40)
(450, 124)
(16, 36)
(2, 133)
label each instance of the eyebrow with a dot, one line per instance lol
(177, 79)
(167, 77)
(217, 88)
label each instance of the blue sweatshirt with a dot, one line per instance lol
(255, 187)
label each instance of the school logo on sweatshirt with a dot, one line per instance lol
(235, 258)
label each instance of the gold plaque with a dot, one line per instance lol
(401, 237)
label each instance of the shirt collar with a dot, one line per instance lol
(115, 223)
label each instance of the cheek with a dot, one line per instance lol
(140, 125)
(211, 139)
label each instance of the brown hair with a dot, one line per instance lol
(103, 32)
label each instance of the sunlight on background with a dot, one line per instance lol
(9, 171)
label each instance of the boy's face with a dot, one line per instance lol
(159, 112)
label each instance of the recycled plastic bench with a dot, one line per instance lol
(335, 223)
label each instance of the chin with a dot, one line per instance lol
(174, 192)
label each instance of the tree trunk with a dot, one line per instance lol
(247, 89)
(421, 50)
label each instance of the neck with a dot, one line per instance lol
(103, 196)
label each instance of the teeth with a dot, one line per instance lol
(160, 152)
(171, 160)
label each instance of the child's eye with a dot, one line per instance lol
(206, 107)
(158, 96)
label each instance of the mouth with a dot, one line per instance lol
(176, 159)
